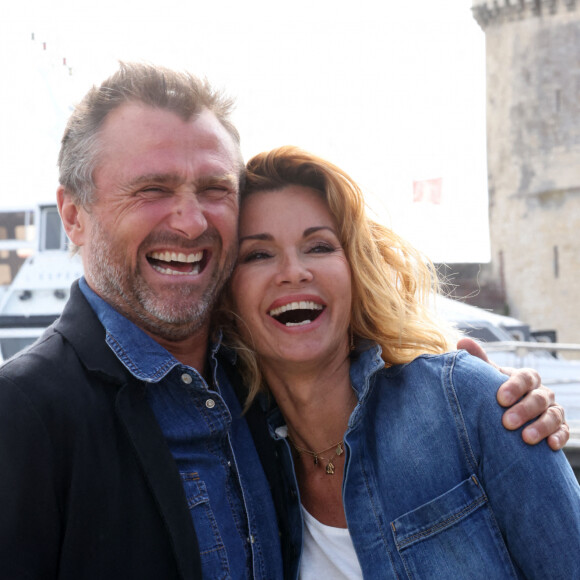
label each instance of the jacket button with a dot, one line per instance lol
(186, 378)
(210, 403)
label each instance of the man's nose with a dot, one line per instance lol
(187, 215)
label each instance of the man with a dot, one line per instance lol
(122, 447)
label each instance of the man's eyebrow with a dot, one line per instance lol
(163, 178)
(229, 179)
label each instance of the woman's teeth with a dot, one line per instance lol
(297, 313)
(302, 305)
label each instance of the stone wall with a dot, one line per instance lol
(533, 149)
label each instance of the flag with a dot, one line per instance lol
(428, 190)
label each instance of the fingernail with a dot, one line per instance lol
(532, 434)
(508, 398)
(511, 419)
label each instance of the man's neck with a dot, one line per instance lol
(191, 351)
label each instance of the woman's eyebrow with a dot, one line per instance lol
(314, 229)
(269, 237)
(262, 237)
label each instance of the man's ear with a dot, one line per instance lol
(72, 216)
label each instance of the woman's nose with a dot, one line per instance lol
(293, 270)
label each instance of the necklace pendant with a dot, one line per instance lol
(339, 449)
(315, 459)
(330, 468)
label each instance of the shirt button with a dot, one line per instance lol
(186, 378)
(210, 403)
(250, 539)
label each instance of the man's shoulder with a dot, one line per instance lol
(45, 367)
(39, 359)
(62, 364)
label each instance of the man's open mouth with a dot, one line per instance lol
(177, 263)
(297, 313)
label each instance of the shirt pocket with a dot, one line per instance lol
(211, 546)
(453, 536)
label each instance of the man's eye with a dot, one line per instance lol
(152, 190)
(215, 192)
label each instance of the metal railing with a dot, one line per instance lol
(525, 347)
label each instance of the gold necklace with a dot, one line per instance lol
(338, 449)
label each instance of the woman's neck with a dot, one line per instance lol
(317, 406)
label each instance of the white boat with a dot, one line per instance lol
(40, 289)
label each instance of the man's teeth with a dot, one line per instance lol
(193, 271)
(302, 305)
(177, 257)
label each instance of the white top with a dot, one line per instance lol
(327, 552)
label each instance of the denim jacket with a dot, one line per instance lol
(435, 487)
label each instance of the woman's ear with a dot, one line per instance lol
(72, 216)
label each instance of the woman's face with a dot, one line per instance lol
(292, 283)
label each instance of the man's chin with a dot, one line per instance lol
(176, 319)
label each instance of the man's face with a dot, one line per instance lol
(160, 239)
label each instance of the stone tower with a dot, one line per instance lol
(533, 151)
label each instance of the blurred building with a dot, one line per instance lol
(533, 151)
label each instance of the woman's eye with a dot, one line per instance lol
(254, 256)
(321, 248)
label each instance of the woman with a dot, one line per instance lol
(402, 466)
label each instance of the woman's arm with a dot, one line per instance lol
(532, 491)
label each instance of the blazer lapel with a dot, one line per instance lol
(162, 475)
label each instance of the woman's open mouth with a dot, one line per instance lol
(297, 313)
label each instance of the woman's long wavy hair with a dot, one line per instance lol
(391, 281)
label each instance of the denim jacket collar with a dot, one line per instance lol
(365, 362)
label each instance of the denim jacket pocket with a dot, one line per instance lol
(453, 536)
(211, 547)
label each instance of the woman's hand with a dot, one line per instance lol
(536, 401)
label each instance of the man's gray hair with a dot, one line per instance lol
(160, 87)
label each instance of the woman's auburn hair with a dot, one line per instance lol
(392, 282)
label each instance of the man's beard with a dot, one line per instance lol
(171, 319)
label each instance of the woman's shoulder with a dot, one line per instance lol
(456, 370)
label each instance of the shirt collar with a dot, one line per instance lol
(143, 357)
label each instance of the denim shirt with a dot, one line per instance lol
(435, 488)
(225, 487)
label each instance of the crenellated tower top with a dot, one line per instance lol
(494, 12)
